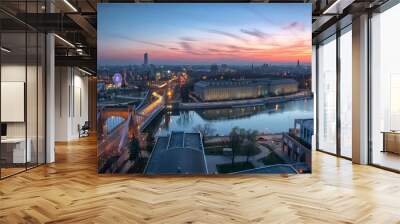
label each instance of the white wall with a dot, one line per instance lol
(11, 73)
(62, 82)
(71, 102)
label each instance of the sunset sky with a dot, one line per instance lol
(204, 33)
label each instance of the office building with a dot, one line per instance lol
(214, 69)
(296, 144)
(304, 129)
(48, 172)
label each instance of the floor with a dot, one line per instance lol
(10, 171)
(387, 159)
(70, 191)
(5, 172)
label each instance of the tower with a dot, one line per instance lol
(145, 59)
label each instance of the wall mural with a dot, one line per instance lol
(204, 88)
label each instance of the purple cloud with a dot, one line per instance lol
(188, 39)
(142, 41)
(227, 34)
(294, 26)
(255, 33)
(186, 46)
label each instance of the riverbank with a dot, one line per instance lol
(245, 103)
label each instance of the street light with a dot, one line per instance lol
(169, 93)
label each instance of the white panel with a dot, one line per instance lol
(395, 102)
(346, 94)
(327, 96)
(12, 101)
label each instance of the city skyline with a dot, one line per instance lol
(199, 34)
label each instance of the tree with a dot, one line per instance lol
(248, 147)
(235, 141)
(185, 93)
(251, 141)
(205, 130)
(134, 149)
(149, 142)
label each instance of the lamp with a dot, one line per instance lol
(84, 71)
(5, 50)
(64, 40)
(70, 5)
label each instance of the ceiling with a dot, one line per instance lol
(75, 21)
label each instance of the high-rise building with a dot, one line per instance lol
(146, 59)
(214, 69)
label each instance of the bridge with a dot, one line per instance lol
(113, 144)
(115, 112)
(135, 121)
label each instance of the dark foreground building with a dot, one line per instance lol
(297, 144)
(178, 153)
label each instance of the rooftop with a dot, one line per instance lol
(306, 123)
(217, 83)
(178, 153)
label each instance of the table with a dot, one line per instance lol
(391, 141)
(13, 150)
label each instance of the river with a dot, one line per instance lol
(265, 119)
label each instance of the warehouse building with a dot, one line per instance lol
(243, 89)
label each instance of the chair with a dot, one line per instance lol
(84, 130)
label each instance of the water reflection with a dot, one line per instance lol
(263, 118)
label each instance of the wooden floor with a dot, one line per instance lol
(70, 191)
(387, 159)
